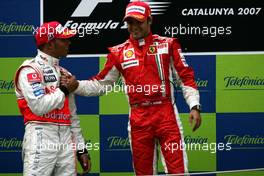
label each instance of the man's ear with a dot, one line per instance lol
(150, 20)
(51, 44)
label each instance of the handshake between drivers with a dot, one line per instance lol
(68, 82)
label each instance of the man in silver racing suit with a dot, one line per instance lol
(53, 137)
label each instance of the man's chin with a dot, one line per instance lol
(136, 37)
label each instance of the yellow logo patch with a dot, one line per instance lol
(129, 54)
(152, 50)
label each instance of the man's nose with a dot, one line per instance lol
(135, 27)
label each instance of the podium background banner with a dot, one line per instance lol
(201, 26)
(229, 74)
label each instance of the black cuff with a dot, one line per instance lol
(197, 107)
(64, 90)
(80, 152)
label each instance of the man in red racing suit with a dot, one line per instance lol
(148, 63)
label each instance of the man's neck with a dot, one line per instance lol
(50, 53)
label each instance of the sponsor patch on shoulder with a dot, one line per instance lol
(130, 63)
(33, 77)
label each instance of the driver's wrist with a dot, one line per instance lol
(197, 108)
(79, 153)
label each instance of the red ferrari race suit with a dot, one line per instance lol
(148, 66)
(52, 127)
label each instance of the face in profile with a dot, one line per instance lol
(61, 47)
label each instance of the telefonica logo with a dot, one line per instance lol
(199, 82)
(10, 143)
(195, 140)
(118, 142)
(6, 85)
(15, 27)
(242, 82)
(244, 139)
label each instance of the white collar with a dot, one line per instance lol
(47, 58)
(141, 42)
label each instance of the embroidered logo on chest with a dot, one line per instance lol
(130, 63)
(50, 78)
(33, 77)
(129, 54)
(163, 48)
(152, 50)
